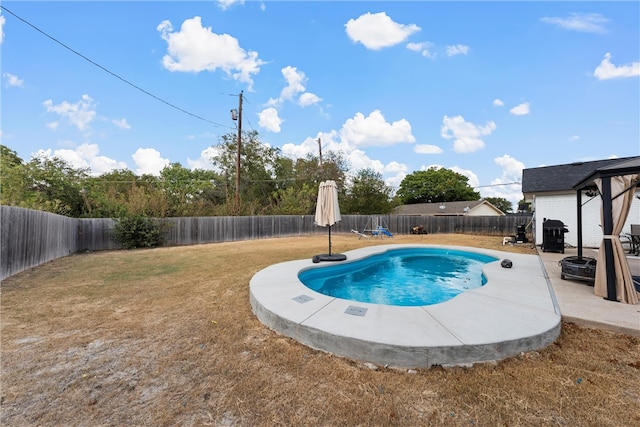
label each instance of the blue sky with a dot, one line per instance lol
(483, 88)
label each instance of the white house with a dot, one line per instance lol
(468, 208)
(550, 191)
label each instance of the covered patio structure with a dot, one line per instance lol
(616, 185)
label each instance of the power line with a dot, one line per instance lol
(111, 72)
(497, 185)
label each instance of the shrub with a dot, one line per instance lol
(137, 231)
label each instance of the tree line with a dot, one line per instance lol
(270, 184)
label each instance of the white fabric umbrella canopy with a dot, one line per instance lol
(327, 214)
(327, 208)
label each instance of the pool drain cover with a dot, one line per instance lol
(302, 299)
(356, 311)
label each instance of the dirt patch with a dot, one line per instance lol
(166, 337)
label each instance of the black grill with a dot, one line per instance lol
(553, 235)
(521, 234)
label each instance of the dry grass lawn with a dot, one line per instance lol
(166, 337)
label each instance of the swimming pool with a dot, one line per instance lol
(404, 277)
(515, 311)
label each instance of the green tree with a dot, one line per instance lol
(298, 181)
(435, 185)
(135, 231)
(106, 196)
(258, 164)
(190, 192)
(296, 200)
(53, 185)
(368, 194)
(334, 167)
(501, 203)
(12, 178)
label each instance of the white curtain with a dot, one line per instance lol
(620, 210)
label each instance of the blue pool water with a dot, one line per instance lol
(405, 277)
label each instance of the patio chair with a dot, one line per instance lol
(627, 242)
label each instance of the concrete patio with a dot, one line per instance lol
(514, 312)
(519, 309)
(579, 305)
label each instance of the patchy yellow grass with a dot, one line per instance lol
(166, 337)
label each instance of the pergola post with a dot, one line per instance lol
(579, 211)
(607, 229)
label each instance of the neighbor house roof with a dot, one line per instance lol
(446, 208)
(563, 177)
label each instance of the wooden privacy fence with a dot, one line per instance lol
(30, 238)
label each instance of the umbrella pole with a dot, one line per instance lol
(329, 240)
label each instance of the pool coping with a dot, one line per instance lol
(515, 311)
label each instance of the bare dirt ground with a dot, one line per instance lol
(166, 337)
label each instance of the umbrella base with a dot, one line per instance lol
(328, 257)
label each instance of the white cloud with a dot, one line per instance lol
(2, 21)
(149, 161)
(296, 81)
(308, 146)
(357, 158)
(376, 31)
(473, 178)
(427, 149)
(196, 48)
(511, 168)
(374, 130)
(308, 98)
(520, 110)
(85, 156)
(395, 167)
(52, 125)
(272, 102)
(582, 22)
(12, 80)
(498, 102)
(121, 123)
(458, 49)
(508, 184)
(80, 114)
(466, 135)
(424, 48)
(606, 70)
(574, 138)
(395, 181)
(204, 161)
(226, 4)
(269, 120)
(296, 84)
(357, 132)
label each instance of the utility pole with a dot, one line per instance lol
(238, 117)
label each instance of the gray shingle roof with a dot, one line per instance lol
(563, 177)
(450, 208)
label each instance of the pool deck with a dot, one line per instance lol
(579, 305)
(516, 311)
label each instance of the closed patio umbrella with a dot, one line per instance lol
(327, 214)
